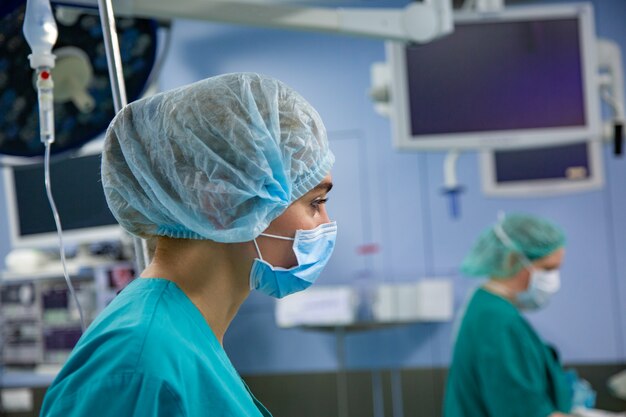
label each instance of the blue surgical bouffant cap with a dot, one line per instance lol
(500, 250)
(218, 159)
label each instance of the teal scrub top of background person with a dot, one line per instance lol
(501, 367)
(150, 353)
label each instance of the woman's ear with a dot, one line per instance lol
(513, 262)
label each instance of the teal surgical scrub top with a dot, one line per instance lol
(149, 353)
(501, 367)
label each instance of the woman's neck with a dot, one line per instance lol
(508, 288)
(213, 275)
(501, 289)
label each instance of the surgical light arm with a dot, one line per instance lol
(418, 22)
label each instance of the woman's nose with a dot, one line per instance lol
(325, 218)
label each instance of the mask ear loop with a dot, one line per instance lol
(277, 237)
(508, 242)
(256, 245)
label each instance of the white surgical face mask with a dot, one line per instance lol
(542, 286)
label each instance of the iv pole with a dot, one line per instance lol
(118, 88)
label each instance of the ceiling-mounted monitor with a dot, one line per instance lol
(78, 193)
(519, 77)
(546, 171)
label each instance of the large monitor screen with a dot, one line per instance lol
(521, 77)
(78, 195)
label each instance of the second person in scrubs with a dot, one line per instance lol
(501, 367)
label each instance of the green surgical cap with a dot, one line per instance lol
(531, 236)
(218, 159)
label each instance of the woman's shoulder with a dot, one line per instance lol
(142, 332)
(150, 319)
(488, 306)
(493, 317)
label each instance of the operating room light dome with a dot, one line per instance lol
(83, 101)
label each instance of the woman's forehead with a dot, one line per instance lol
(553, 260)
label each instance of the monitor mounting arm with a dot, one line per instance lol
(419, 22)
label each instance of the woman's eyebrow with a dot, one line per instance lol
(323, 186)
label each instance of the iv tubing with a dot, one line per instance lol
(57, 221)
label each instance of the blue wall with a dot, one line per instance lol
(393, 199)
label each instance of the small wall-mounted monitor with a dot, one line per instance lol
(520, 77)
(79, 197)
(542, 171)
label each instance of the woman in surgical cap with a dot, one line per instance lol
(230, 175)
(501, 367)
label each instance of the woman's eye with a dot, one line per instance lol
(316, 203)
